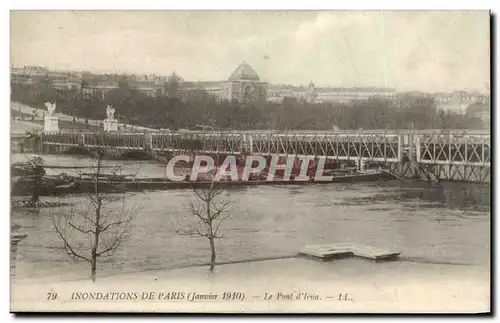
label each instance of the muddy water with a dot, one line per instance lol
(450, 224)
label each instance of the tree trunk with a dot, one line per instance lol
(212, 254)
(35, 196)
(93, 269)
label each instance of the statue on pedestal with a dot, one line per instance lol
(51, 108)
(51, 121)
(110, 112)
(110, 123)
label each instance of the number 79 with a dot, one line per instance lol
(51, 296)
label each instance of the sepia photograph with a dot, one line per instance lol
(250, 161)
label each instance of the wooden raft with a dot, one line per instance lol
(346, 250)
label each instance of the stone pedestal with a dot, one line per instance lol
(51, 124)
(14, 240)
(110, 125)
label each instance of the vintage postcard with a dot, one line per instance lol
(250, 161)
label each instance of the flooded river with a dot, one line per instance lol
(450, 224)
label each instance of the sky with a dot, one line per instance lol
(427, 51)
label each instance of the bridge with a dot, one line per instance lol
(462, 155)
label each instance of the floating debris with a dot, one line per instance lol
(346, 250)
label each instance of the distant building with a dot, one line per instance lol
(68, 83)
(21, 79)
(242, 86)
(35, 70)
(277, 93)
(97, 88)
(150, 87)
(313, 94)
(343, 95)
(100, 87)
(458, 101)
(190, 90)
(21, 76)
(481, 110)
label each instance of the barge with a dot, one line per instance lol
(64, 184)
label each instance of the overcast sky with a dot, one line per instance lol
(427, 51)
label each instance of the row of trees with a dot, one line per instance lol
(167, 110)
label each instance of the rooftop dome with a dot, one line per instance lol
(244, 72)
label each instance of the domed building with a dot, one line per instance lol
(243, 86)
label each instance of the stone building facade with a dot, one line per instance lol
(243, 86)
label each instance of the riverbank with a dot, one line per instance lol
(396, 286)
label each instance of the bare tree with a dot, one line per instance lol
(101, 228)
(210, 212)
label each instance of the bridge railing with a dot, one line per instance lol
(95, 139)
(60, 138)
(340, 146)
(227, 143)
(458, 147)
(116, 140)
(471, 149)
